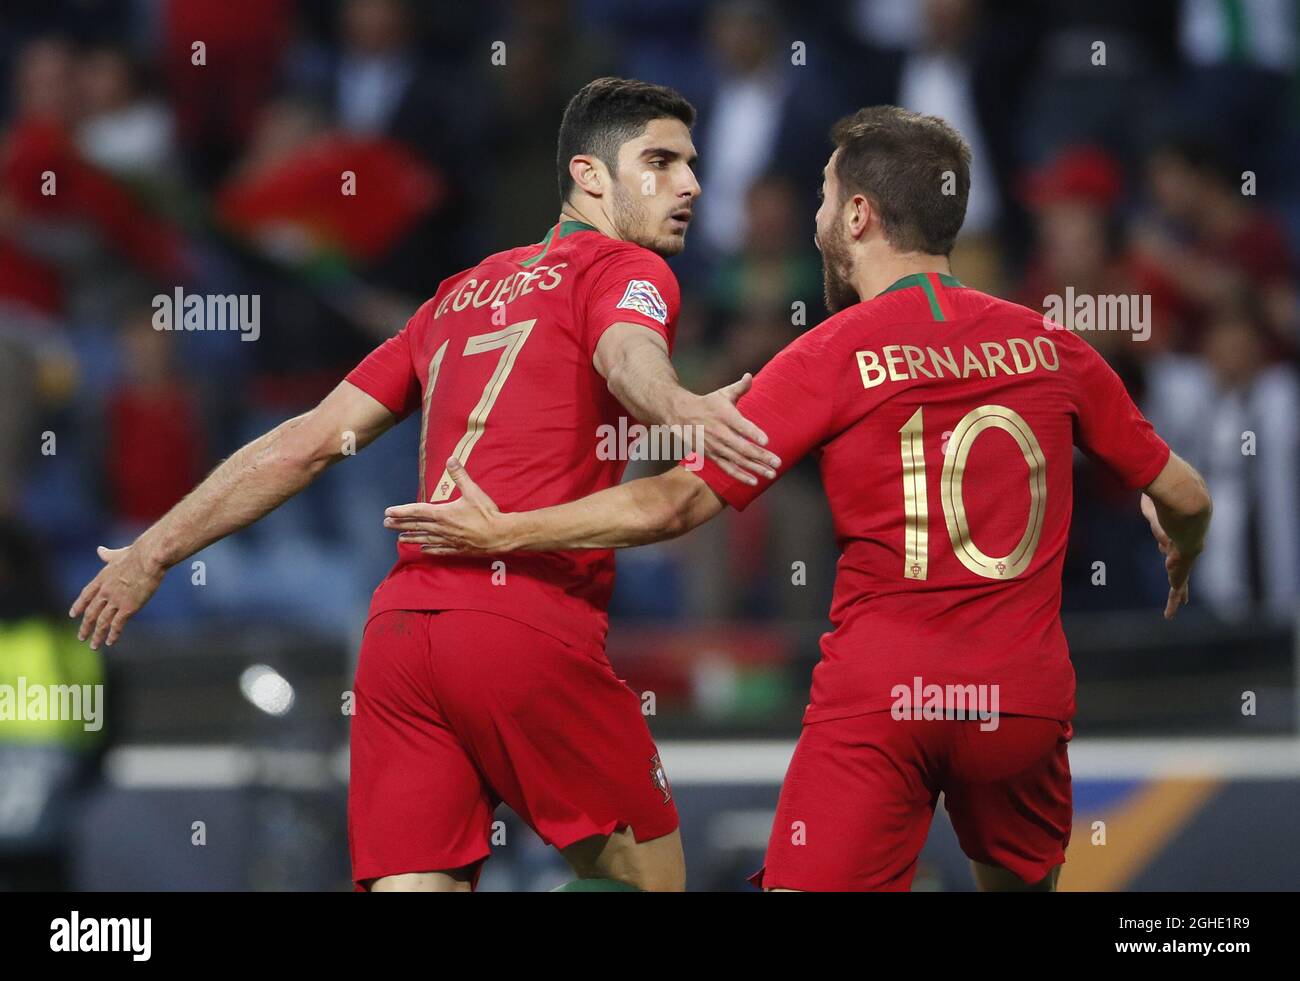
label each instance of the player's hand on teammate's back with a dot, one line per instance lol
(469, 525)
(730, 440)
(1177, 565)
(116, 594)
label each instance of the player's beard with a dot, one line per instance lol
(837, 291)
(632, 222)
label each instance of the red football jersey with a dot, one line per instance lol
(500, 362)
(946, 421)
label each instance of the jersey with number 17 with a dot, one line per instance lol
(499, 363)
(945, 421)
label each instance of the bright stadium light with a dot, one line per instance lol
(267, 689)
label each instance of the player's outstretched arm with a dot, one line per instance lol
(634, 362)
(252, 482)
(1178, 506)
(636, 513)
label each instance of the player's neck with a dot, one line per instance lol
(595, 219)
(877, 275)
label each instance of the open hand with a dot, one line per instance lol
(116, 594)
(470, 525)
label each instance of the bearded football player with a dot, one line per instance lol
(944, 422)
(482, 682)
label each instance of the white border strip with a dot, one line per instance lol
(728, 763)
(210, 767)
(1248, 758)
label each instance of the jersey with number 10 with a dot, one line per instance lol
(946, 422)
(499, 362)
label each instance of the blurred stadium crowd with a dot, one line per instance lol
(1161, 164)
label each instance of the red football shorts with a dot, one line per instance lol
(457, 711)
(858, 798)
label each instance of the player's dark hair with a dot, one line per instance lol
(914, 169)
(607, 113)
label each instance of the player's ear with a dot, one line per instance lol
(859, 215)
(588, 173)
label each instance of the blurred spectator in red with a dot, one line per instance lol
(221, 66)
(1212, 241)
(154, 444)
(1079, 246)
(121, 128)
(65, 224)
(43, 99)
(65, 227)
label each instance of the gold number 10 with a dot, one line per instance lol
(916, 509)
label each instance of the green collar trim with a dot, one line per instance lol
(558, 231)
(926, 282)
(918, 279)
(571, 225)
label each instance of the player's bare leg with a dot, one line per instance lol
(993, 878)
(453, 880)
(657, 865)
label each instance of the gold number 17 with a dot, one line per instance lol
(510, 341)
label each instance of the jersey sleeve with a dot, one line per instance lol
(632, 286)
(792, 399)
(1111, 428)
(387, 374)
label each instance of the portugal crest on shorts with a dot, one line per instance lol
(660, 778)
